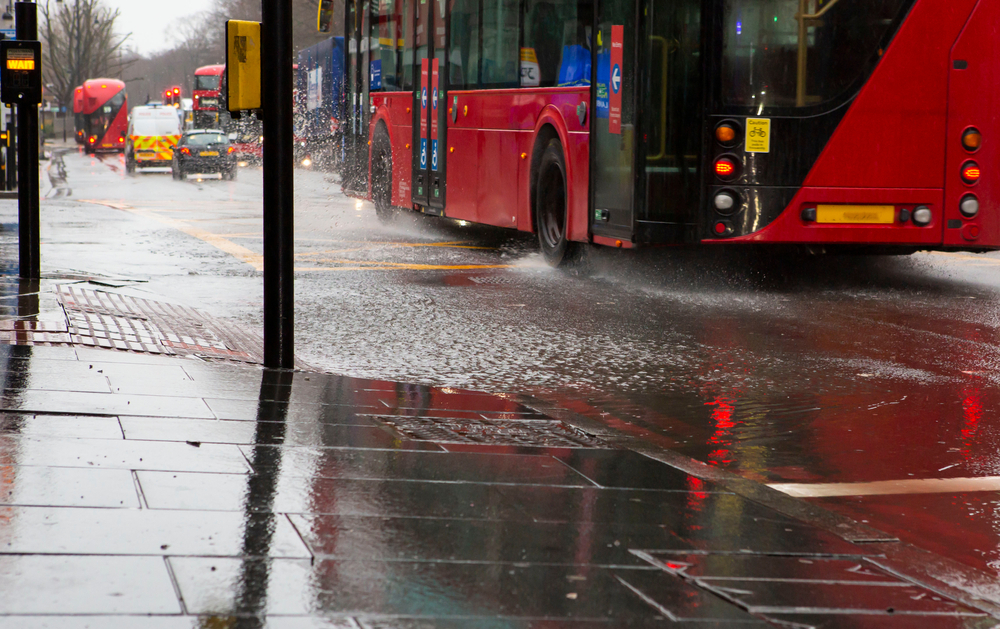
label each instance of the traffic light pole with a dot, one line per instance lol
(28, 202)
(279, 188)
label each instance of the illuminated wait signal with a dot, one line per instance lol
(21, 64)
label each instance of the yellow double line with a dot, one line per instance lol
(256, 260)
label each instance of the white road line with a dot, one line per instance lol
(890, 487)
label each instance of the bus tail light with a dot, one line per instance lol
(726, 134)
(185, 150)
(972, 139)
(971, 172)
(92, 139)
(922, 216)
(725, 202)
(969, 206)
(726, 168)
(231, 149)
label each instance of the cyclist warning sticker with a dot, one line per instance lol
(758, 135)
(616, 79)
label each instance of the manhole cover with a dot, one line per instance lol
(542, 433)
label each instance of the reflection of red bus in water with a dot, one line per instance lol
(105, 115)
(207, 95)
(859, 125)
(78, 115)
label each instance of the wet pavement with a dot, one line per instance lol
(836, 380)
(227, 496)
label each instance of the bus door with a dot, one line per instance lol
(613, 129)
(646, 168)
(430, 107)
(671, 128)
(355, 127)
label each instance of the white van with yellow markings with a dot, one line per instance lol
(153, 132)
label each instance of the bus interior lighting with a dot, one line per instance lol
(972, 139)
(922, 215)
(971, 172)
(969, 206)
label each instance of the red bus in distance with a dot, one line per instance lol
(78, 131)
(105, 115)
(864, 129)
(207, 95)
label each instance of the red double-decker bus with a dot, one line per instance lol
(853, 124)
(105, 115)
(78, 130)
(207, 94)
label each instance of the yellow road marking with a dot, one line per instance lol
(890, 487)
(256, 260)
(962, 256)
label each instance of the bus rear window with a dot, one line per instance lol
(766, 62)
(207, 82)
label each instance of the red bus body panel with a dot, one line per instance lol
(974, 94)
(95, 94)
(488, 180)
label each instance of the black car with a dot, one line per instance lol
(204, 151)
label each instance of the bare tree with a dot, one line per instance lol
(79, 44)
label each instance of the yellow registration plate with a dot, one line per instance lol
(856, 214)
(209, 153)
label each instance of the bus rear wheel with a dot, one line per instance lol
(551, 211)
(382, 176)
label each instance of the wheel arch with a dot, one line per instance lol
(552, 125)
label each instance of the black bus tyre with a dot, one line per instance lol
(382, 176)
(551, 210)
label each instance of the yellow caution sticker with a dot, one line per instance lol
(758, 135)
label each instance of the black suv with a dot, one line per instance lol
(204, 151)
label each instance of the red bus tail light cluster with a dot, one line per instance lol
(185, 150)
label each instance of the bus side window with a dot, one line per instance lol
(463, 54)
(407, 7)
(556, 43)
(499, 67)
(383, 61)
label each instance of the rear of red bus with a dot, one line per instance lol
(207, 95)
(875, 127)
(105, 115)
(78, 131)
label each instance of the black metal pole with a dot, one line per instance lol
(26, 20)
(276, 90)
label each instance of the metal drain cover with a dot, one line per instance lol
(501, 432)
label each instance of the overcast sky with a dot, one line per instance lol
(149, 20)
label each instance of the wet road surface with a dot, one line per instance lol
(846, 381)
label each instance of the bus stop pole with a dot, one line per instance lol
(276, 101)
(26, 20)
